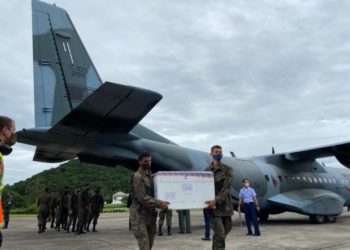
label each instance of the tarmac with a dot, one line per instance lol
(284, 231)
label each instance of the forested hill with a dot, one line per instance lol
(71, 174)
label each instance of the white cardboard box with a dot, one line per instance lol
(184, 189)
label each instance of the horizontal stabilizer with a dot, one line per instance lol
(310, 201)
(47, 155)
(112, 108)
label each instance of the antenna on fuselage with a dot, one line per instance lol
(273, 150)
(232, 154)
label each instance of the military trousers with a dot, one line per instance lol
(144, 233)
(6, 214)
(165, 214)
(42, 217)
(94, 217)
(184, 221)
(82, 218)
(221, 226)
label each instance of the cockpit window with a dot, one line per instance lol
(267, 178)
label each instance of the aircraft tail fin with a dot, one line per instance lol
(64, 74)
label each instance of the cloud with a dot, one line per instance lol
(244, 74)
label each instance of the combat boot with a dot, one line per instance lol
(160, 233)
(94, 228)
(87, 228)
(169, 230)
(73, 227)
(40, 231)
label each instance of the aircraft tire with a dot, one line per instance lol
(331, 219)
(263, 216)
(317, 219)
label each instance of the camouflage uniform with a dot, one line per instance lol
(73, 212)
(84, 201)
(221, 216)
(53, 210)
(169, 215)
(43, 205)
(58, 213)
(96, 206)
(63, 211)
(143, 215)
(7, 208)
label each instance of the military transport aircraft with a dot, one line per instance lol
(76, 115)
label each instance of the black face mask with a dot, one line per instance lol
(12, 139)
(5, 149)
(146, 166)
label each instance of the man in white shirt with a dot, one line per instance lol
(247, 197)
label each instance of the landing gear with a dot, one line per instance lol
(331, 219)
(263, 216)
(319, 219)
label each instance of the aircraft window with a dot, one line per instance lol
(304, 179)
(315, 180)
(280, 178)
(320, 179)
(329, 180)
(267, 178)
(310, 180)
(298, 178)
(334, 181)
(325, 180)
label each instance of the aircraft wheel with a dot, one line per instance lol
(318, 219)
(263, 216)
(331, 219)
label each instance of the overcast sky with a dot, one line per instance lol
(244, 74)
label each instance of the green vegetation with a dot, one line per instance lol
(71, 174)
(115, 208)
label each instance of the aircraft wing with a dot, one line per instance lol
(112, 108)
(340, 150)
(310, 201)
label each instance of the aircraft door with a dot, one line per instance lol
(247, 169)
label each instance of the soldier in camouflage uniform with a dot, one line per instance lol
(84, 203)
(73, 210)
(43, 206)
(143, 215)
(63, 209)
(96, 206)
(221, 209)
(162, 215)
(7, 207)
(53, 210)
